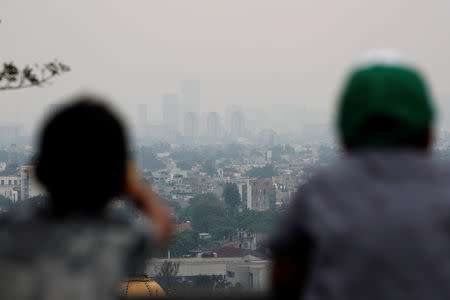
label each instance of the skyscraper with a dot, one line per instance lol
(191, 125)
(213, 124)
(170, 110)
(237, 123)
(190, 90)
(142, 121)
(10, 133)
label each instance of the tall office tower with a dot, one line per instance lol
(170, 110)
(10, 133)
(190, 90)
(213, 124)
(142, 121)
(190, 125)
(237, 123)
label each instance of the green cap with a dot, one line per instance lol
(384, 105)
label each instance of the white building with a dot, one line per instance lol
(10, 187)
(190, 267)
(249, 274)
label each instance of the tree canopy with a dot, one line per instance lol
(257, 221)
(263, 172)
(206, 213)
(231, 196)
(183, 242)
(207, 216)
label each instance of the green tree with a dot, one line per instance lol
(223, 233)
(206, 197)
(264, 172)
(167, 276)
(14, 78)
(231, 196)
(257, 221)
(184, 242)
(207, 215)
(205, 283)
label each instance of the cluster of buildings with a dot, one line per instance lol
(239, 267)
(182, 120)
(20, 186)
(236, 260)
(258, 193)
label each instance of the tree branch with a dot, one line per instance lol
(27, 78)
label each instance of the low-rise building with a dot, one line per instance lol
(197, 266)
(10, 187)
(249, 274)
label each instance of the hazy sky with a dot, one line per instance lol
(249, 53)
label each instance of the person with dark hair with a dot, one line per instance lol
(73, 248)
(373, 225)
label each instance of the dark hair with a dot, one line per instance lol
(82, 156)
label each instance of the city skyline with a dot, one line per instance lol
(256, 54)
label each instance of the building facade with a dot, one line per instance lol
(213, 125)
(249, 274)
(191, 125)
(190, 91)
(263, 194)
(170, 111)
(29, 187)
(10, 187)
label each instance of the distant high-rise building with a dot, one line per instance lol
(9, 134)
(191, 125)
(267, 137)
(190, 90)
(142, 121)
(170, 110)
(213, 124)
(237, 123)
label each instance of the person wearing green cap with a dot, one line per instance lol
(385, 106)
(376, 223)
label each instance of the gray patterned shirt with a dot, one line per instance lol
(75, 258)
(379, 223)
